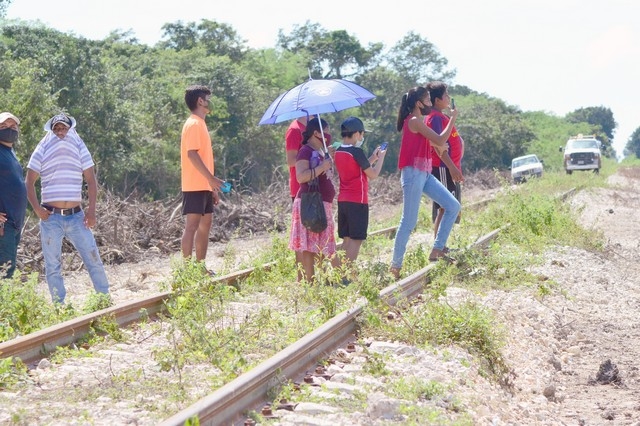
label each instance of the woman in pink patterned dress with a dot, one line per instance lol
(313, 162)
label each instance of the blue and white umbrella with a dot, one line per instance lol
(315, 97)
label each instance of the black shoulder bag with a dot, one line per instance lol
(312, 212)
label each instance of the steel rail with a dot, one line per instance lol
(229, 404)
(34, 346)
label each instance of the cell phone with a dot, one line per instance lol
(383, 146)
(226, 187)
(453, 103)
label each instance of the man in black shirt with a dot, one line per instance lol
(13, 196)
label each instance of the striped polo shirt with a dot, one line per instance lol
(60, 163)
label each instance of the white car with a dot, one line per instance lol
(525, 167)
(582, 153)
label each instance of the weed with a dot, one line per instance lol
(96, 302)
(375, 365)
(420, 390)
(416, 259)
(64, 352)
(108, 325)
(468, 325)
(415, 389)
(192, 421)
(12, 371)
(24, 310)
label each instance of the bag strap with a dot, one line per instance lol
(314, 184)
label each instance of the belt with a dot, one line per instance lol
(63, 212)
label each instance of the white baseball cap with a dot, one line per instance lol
(7, 115)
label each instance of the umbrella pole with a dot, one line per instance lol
(324, 142)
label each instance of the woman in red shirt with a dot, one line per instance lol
(415, 164)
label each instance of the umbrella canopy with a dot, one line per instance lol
(315, 97)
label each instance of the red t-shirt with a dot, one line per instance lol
(351, 162)
(438, 121)
(293, 142)
(415, 149)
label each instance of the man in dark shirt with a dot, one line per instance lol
(13, 196)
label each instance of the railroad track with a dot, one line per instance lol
(226, 405)
(35, 346)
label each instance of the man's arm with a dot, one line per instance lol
(376, 159)
(30, 183)
(197, 162)
(92, 189)
(291, 158)
(456, 174)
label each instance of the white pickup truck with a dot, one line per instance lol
(582, 153)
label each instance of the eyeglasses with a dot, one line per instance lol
(60, 128)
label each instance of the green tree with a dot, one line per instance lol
(551, 133)
(332, 54)
(633, 144)
(418, 61)
(602, 123)
(128, 99)
(276, 71)
(65, 60)
(601, 116)
(179, 36)
(216, 38)
(380, 114)
(4, 5)
(23, 92)
(493, 131)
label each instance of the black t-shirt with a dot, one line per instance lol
(13, 193)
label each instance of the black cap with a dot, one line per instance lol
(351, 125)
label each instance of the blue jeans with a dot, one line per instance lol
(414, 184)
(52, 232)
(9, 250)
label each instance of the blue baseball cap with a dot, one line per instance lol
(351, 125)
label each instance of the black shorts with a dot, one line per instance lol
(452, 186)
(197, 202)
(353, 220)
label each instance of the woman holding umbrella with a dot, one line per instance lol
(311, 247)
(415, 164)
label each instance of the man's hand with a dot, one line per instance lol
(90, 218)
(332, 151)
(42, 213)
(456, 174)
(215, 184)
(440, 150)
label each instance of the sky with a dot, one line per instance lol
(545, 55)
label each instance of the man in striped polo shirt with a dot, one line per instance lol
(61, 160)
